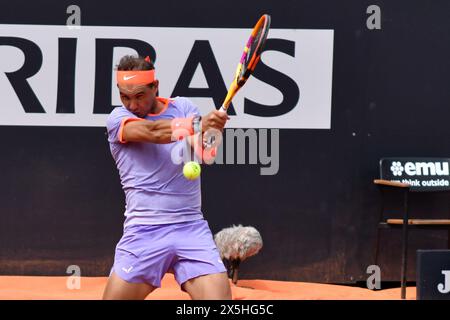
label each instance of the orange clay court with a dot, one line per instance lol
(54, 288)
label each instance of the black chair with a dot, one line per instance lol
(404, 176)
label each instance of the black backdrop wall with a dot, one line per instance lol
(61, 200)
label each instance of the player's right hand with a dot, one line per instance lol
(214, 120)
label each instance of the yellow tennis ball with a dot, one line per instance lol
(191, 170)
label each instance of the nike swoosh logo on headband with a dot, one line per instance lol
(128, 78)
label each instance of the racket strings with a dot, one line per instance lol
(249, 59)
(252, 51)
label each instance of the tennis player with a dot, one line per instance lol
(164, 228)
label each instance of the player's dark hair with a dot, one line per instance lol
(130, 62)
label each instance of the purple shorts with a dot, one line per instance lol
(146, 252)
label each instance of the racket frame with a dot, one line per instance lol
(241, 77)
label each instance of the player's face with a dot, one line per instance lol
(139, 99)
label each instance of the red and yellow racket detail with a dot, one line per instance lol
(249, 59)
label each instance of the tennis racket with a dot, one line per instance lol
(250, 58)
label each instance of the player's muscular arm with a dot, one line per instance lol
(158, 131)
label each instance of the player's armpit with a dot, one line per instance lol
(141, 130)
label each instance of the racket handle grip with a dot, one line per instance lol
(210, 140)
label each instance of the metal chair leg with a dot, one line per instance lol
(404, 246)
(377, 247)
(377, 243)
